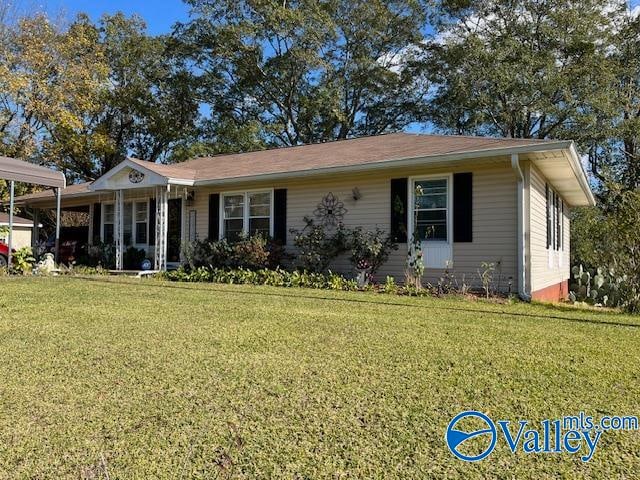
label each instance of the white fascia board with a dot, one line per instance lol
(578, 170)
(181, 181)
(448, 158)
(102, 182)
(16, 224)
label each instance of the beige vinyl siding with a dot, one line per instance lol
(21, 237)
(542, 275)
(494, 215)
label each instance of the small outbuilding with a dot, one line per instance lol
(22, 230)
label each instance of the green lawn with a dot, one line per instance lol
(115, 378)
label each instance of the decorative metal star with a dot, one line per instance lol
(330, 211)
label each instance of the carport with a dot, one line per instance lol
(14, 170)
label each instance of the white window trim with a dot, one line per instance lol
(411, 187)
(134, 225)
(245, 212)
(555, 255)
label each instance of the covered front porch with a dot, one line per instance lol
(132, 208)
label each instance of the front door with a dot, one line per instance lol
(174, 230)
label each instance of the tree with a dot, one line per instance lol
(613, 138)
(50, 83)
(82, 98)
(149, 108)
(286, 73)
(519, 68)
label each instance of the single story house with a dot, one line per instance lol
(22, 231)
(469, 199)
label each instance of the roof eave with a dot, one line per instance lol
(581, 175)
(450, 158)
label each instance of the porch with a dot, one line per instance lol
(133, 206)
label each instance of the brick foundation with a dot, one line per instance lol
(552, 293)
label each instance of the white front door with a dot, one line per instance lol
(431, 201)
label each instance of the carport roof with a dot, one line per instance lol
(21, 171)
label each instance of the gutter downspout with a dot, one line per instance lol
(523, 290)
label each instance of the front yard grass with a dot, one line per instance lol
(116, 378)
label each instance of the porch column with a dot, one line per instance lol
(118, 232)
(162, 210)
(57, 244)
(12, 195)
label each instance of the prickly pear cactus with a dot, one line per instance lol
(597, 287)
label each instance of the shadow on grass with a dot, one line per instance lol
(212, 288)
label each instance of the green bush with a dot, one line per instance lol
(609, 237)
(98, 255)
(22, 261)
(253, 253)
(369, 249)
(317, 246)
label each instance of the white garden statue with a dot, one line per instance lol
(47, 265)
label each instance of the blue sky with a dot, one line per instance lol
(160, 15)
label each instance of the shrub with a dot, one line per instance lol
(317, 247)
(608, 236)
(204, 253)
(132, 258)
(22, 261)
(252, 253)
(99, 255)
(370, 249)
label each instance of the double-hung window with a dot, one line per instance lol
(135, 223)
(108, 219)
(233, 216)
(248, 213)
(142, 222)
(555, 220)
(431, 209)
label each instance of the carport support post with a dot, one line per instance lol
(35, 233)
(57, 246)
(12, 195)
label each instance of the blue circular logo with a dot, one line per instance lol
(455, 437)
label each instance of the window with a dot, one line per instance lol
(108, 217)
(142, 219)
(431, 209)
(259, 213)
(135, 223)
(555, 220)
(246, 213)
(233, 216)
(127, 223)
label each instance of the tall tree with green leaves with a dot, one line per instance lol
(519, 68)
(149, 108)
(302, 71)
(543, 69)
(84, 97)
(612, 138)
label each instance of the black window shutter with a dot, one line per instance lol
(280, 215)
(399, 210)
(214, 217)
(463, 207)
(97, 222)
(152, 221)
(548, 205)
